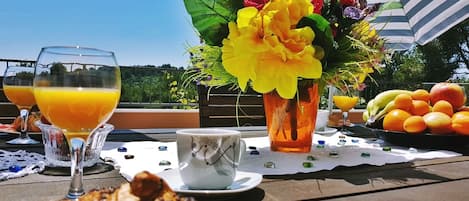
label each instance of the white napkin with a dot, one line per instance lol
(30, 163)
(147, 156)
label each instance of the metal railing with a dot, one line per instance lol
(22, 62)
(142, 105)
(156, 105)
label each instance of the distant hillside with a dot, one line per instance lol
(155, 84)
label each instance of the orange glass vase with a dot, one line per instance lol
(291, 122)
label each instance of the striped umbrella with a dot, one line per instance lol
(406, 22)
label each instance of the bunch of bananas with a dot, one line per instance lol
(378, 107)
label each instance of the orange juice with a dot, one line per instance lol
(345, 103)
(21, 96)
(77, 110)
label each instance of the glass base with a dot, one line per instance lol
(290, 147)
(292, 150)
(23, 141)
(74, 195)
(344, 131)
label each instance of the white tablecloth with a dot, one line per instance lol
(147, 156)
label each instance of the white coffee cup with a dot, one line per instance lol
(209, 157)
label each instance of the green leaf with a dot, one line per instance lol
(211, 17)
(391, 5)
(386, 6)
(322, 31)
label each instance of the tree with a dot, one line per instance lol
(155, 85)
(447, 53)
(433, 62)
(405, 70)
(411, 65)
(57, 69)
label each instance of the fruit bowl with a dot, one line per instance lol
(394, 115)
(421, 140)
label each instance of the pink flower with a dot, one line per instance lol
(317, 5)
(347, 2)
(361, 86)
(259, 4)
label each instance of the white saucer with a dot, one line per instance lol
(326, 131)
(243, 181)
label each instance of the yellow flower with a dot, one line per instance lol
(363, 32)
(266, 49)
(365, 71)
(298, 9)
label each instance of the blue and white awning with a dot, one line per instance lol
(406, 22)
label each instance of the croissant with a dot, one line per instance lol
(34, 116)
(144, 187)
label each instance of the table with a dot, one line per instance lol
(437, 179)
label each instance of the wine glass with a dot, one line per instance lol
(77, 89)
(18, 88)
(345, 99)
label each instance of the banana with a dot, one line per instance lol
(381, 104)
(369, 105)
(383, 98)
(373, 109)
(390, 106)
(370, 109)
(366, 116)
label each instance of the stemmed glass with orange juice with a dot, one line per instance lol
(345, 99)
(77, 90)
(18, 88)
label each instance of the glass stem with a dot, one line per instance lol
(24, 115)
(77, 147)
(345, 117)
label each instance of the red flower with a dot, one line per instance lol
(334, 29)
(259, 4)
(347, 2)
(317, 5)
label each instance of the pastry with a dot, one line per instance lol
(144, 187)
(34, 116)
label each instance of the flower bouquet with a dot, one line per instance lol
(288, 49)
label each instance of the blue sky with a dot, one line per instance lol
(139, 32)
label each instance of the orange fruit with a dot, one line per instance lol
(414, 125)
(403, 101)
(450, 92)
(421, 94)
(419, 107)
(443, 106)
(438, 122)
(394, 120)
(463, 108)
(460, 122)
